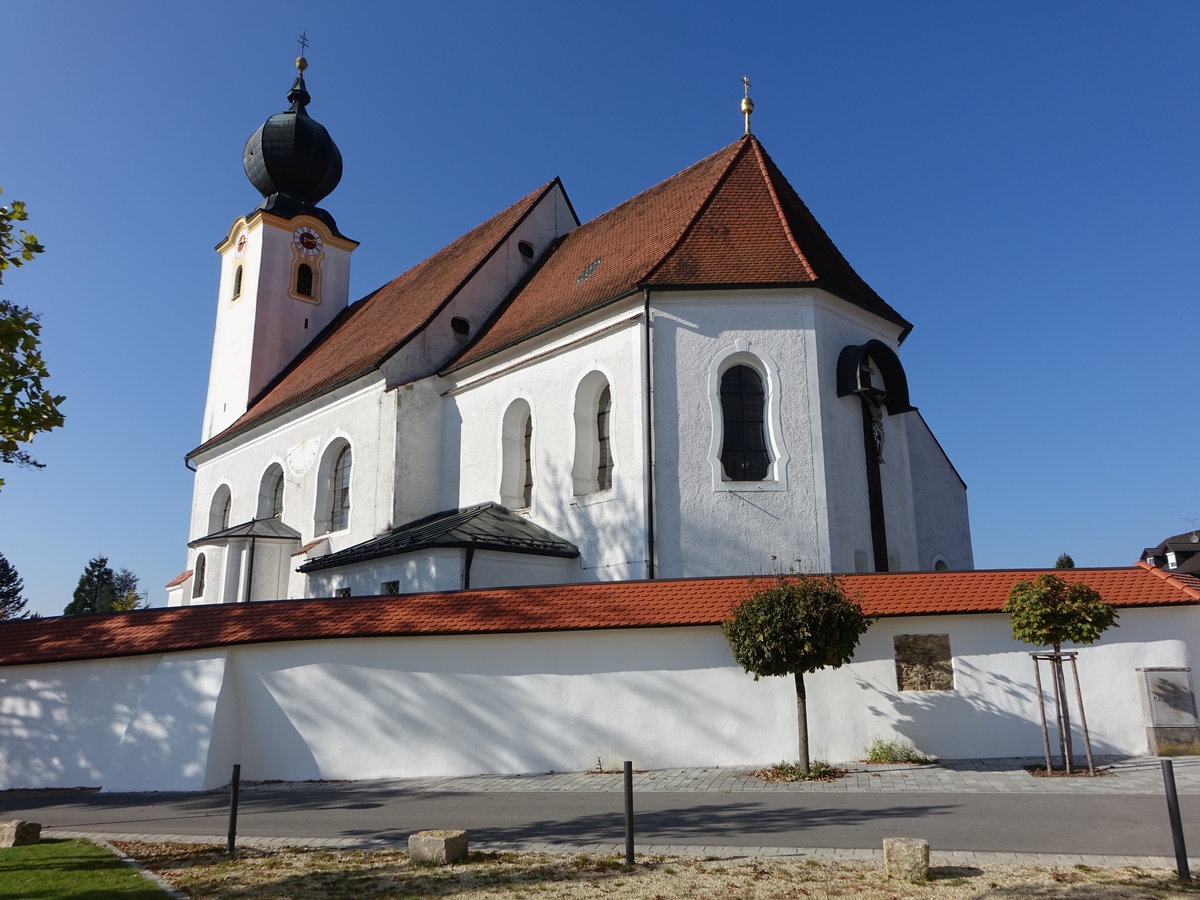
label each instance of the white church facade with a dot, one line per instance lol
(695, 383)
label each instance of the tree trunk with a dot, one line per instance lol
(802, 721)
(1064, 724)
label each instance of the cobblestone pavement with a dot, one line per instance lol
(1122, 775)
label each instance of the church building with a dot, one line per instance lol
(695, 383)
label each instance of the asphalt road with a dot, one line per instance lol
(1049, 823)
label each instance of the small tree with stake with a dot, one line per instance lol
(1050, 612)
(798, 625)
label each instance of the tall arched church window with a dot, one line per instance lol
(237, 283)
(304, 280)
(339, 511)
(270, 493)
(516, 464)
(198, 576)
(592, 471)
(218, 510)
(744, 453)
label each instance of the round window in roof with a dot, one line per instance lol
(460, 325)
(587, 273)
(526, 249)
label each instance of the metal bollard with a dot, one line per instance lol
(629, 812)
(234, 785)
(1181, 860)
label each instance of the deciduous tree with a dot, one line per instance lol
(1050, 612)
(798, 625)
(27, 408)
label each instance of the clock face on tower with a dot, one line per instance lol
(307, 241)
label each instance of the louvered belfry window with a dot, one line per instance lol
(339, 513)
(604, 460)
(237, 283)
(304, 280)
(198, 577)
(744, 446)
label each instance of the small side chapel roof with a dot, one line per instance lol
(730, 221)
(270, 528)
(487, 526)
(544, 608)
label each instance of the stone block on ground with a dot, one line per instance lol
(17, 833)
(438, 846)
(906, 859)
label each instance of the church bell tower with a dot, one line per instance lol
(285, 268)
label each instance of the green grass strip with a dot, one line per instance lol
(56, 869)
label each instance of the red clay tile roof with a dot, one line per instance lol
(369, 331)
(730, 220)
(179, 579)
(611, 604)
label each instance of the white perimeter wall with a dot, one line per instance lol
(363, 708)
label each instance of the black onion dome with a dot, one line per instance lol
(292, 154)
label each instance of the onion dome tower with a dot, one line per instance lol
(285, 267)
(291, 159)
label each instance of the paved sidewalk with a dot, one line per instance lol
(1141, 775)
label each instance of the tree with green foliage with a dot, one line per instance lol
(1050, 612)
(27, 408)
(96, 591)
(1064, 561)
(798, 625)
(12, 604)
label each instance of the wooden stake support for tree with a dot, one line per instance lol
(1062, 712)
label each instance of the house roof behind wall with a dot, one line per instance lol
(576, 607)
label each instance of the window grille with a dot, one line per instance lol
(527, 448)
(604, 460)
(198, 577)
(744, 448)
(339, 514)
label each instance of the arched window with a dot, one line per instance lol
(218, 510)
(593, 468)
(270, 493)
(304, 280)
(516, 473)
(237, 283)
(339, 510)
(198, 577)
(744, 453)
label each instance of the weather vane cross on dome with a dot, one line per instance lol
(303, 41)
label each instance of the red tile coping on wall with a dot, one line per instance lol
(575, 607)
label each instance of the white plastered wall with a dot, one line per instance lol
(361, 413)
(663, 697)
(608, 527)
(707, 530)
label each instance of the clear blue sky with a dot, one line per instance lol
(1020, 179)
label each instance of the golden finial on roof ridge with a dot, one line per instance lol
(747, 103)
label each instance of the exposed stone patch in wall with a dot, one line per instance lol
(923, 662)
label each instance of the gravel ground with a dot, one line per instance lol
(200, 871)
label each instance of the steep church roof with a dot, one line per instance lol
(367, 332)
(729, 221)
